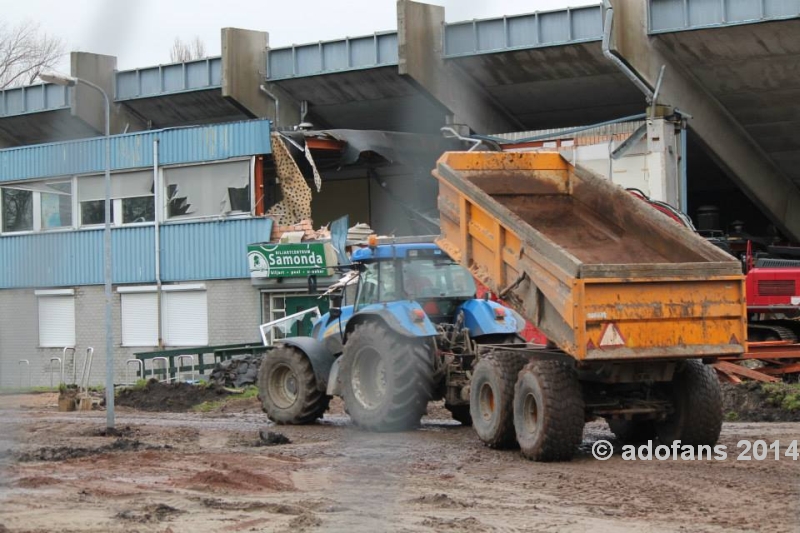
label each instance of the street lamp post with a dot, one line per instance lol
(70, 81)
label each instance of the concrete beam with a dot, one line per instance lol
(736, 152)
(244, 66)
(87, 103)
(420, 36)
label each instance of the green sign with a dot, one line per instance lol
(289, 260)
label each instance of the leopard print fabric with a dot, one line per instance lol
(296, 203)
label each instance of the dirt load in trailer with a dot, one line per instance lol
(635, 303)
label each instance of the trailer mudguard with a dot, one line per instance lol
(404, 317)
(319, 356)
(482, 319)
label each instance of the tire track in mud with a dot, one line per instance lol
(438, 478)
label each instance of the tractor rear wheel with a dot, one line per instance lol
(287, 387)
(491, 398)
(697, 402)
(549, 412)
(387, 379)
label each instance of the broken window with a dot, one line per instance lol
(208, 190)
(132, 199)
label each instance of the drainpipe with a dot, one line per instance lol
(274, 99)
(157, 229)
(614, 57)
(684, 192)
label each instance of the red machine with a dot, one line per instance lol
(772, 284)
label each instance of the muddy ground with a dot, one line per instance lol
(198, 472)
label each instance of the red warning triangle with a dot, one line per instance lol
(590, 345)
(611, 337)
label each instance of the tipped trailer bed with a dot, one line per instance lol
(635, 306)
(601, 274)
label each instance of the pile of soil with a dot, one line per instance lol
(752, 401)
(62, 453)
(173, 397)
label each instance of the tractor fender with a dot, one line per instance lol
(397, 316)
(481, 318)
(319, 356)
(334, 385)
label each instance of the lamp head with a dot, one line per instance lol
(58, 79)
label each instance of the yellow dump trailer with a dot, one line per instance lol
(633, 301)
(601, 273)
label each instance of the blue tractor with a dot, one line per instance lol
(404, 330)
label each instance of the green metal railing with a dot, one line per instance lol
(206, 358)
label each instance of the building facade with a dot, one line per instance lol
(183, 213)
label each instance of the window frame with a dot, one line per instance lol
(116, 202)
(36, 203)
(163, 208)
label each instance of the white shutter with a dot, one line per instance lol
(56, 321)
(184, 318)
(139, 319)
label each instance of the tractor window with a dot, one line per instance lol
(378, 284)
(429, 278)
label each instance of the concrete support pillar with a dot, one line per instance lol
(244, 71)
(87, 103)
(731, 146)
(420, 30)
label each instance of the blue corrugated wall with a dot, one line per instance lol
(135, 150)
(211, 250)
(189, 251)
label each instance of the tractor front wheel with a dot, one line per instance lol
(287, 387)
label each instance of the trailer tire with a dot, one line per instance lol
(549, 413)
(460, 413)
(287, 387)
(697, 400)
(633, 431)
(387, 379)
(491, 398)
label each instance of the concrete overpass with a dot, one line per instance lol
(730, 64)
(734, 66)
(215, 89)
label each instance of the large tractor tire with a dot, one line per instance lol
(491, 398)
(287, 387)
(460, 413)
(697, 403)
(387, 379)
(549, 412)
(633, 431)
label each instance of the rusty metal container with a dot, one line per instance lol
(605, 276)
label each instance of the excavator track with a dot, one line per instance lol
(772, 331)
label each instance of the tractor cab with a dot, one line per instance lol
(422, 273)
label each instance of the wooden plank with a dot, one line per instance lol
(786, 369)
(739, 370)
(726, 377)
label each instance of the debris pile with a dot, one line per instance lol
(237, 372)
